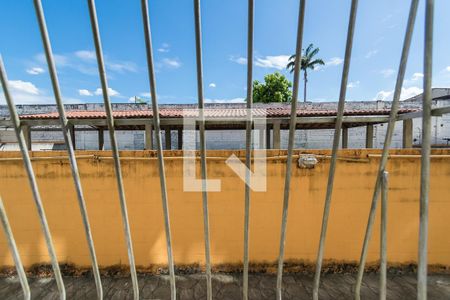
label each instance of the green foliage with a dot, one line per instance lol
(276, 88)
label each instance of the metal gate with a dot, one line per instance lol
(380, 187)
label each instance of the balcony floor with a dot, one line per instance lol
(228, 286)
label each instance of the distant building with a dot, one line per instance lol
(308, 137)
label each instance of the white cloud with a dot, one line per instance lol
(417, 76)
(413, 80)
(111, 92)
(318, 67)
(24, 98)
(384, 95)
(83, 61)
(387, 72)
(410, 92)
(164, 48)
(353, 84)
(274, 62)
(85, 54)
(146, 95)
(84, 92)
(60, 60)
(371, 53)
(405, 94)
(386, 18)
(447, 69)
(23, 86)
(35, 71)
(279, 62)
(67, 61)
(212, 85)
(334, 61)
(121, 67)
(233, 100)
(24, 92)
(172, 63)
(239, 60)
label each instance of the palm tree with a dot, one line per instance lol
(307, 62)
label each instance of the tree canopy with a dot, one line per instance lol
(275, 88)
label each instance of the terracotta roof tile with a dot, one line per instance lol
(213, 113)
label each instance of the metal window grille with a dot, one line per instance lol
(381, 184)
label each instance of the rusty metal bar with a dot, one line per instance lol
(15, 253)
(383, 234)
(248, 142)
(387, 141)
(337, 135)
(426, 146)
(198, 51)
(69, 144)
(114, 147)
(157, 130)
(293, 120)
(32, 179)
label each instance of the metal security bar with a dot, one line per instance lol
(15, 253)
(380, 188)
(292, 124)
(337, 135)
(383, 235)
(156, 124)
(68, 142)
(248, 142)
(114, 147)
(198, 51)
(426, 146)
(32, 179)
(387, 141)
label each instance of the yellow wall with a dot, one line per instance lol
(350, 206)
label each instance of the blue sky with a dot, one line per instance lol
(377, 45)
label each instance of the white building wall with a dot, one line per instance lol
(235, 139)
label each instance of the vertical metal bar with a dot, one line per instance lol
(383, 237)
(68, 139)
(32, 180)
(15, 253)
(71, 129)
(168, 138)
(198, 48)
(426, 145)
(276, 134)
(248, 141)
(148, 144)
(344, 138)
(114, 147)
(157, 131)
(180, 139)
(101, 139)
(387, 141)
(369, 136)
(292, 124)
(27, 134)
(337, 133)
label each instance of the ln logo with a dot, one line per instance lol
(256, 179)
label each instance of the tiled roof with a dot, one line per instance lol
(212, 113)
(127, 114)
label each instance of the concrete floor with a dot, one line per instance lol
(228, 286)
